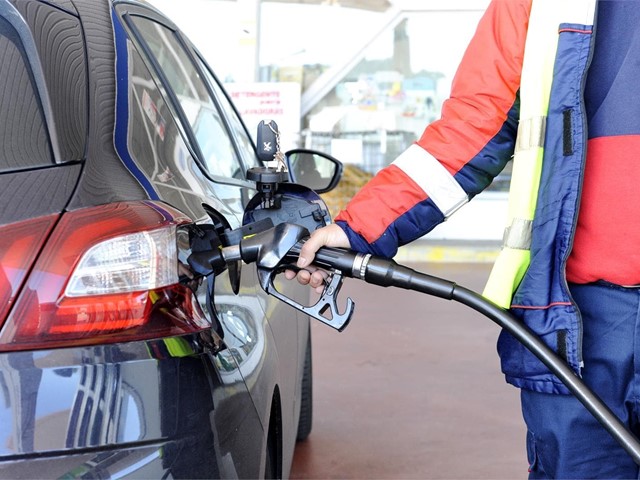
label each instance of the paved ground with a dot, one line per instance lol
(412, 390)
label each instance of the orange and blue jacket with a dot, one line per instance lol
(472, 142)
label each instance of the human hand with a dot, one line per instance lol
(330, 236)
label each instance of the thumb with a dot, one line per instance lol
(330, 236)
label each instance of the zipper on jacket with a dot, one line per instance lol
(585, 135)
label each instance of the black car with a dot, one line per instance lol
(117, 141)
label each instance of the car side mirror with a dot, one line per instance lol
(316, 170)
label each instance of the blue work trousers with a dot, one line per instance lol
(563, 439)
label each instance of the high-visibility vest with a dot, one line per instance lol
(535, 88)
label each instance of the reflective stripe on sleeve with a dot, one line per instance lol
(433, 178)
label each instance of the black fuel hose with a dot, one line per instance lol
(280, 247)
(388, 273)
(559, 367)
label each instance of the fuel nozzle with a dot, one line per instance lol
(277, 249)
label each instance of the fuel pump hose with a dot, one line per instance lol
(387, 273)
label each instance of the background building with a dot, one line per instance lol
(359, 79)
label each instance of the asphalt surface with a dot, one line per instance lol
(412, 389)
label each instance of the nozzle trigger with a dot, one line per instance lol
(327, 300)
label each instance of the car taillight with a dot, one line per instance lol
(19, 245)
(107, 274)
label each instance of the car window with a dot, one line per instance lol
(24, 140)
(247, 149)
(155, 140)
(59, 41)
(211, 134)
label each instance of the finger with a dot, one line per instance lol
(330, 236)
(318, 278)
(310, 247)
(304, 277)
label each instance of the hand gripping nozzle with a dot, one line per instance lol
(276, 250)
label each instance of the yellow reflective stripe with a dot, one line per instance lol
(525, 179)
(535, 89)
(433, 178)
(499, 289)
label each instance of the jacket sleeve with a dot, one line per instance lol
(458, 155)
